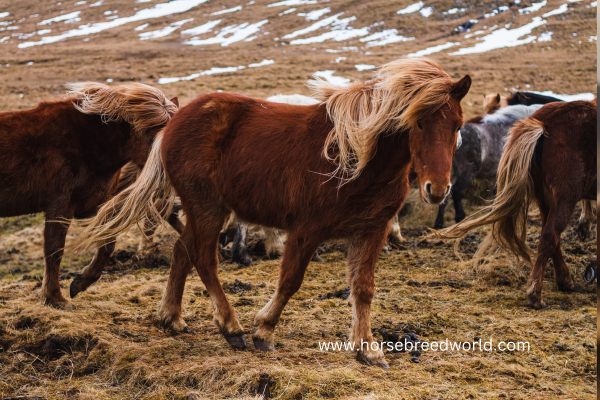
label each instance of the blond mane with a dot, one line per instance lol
(142, 106)
(402, 92)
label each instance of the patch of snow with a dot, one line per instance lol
(567, 97)
(386, 36)
(426, 12)
(333, 20)
(159, 10)
(412, 8)
(291, 10)
(5, 38)
(79, 3)
(231, 34)
(339, 59)
(166, 31)
(353, 48)
(533, 8)
(315, 15)
(212, 71)
(141, 27)
(292, 3)
(260, 64)
(562, 9)
(434, 49)
(545, 37)
(593, 39)
(44, 31)
(328, 76)
(202, 28)
(593, 4)
(109, 80)
(229, 10)
(4, 14)
(63, 17)
(96, 4)
(364, 67)
(503, 38)
(454, 11)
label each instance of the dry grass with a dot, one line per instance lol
(112, 347)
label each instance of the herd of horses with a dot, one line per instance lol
(337, 165)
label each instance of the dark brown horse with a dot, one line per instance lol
(550, 158)
(63, 158)
(334, 170)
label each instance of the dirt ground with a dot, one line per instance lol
(112, 347)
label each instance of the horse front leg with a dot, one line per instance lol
(54, 243)
(395, 236)
(362, 256)
(296, 257)
(93, 271)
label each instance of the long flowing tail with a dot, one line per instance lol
(507, 215)
(132, 205)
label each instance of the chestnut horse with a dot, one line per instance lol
(550, 158)
(333, 170)
(63, 158)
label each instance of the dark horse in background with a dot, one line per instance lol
(478, 157)
(334, 170)
(550, 158)
(64, 157)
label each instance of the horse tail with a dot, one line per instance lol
(150, 197)
(507, 215)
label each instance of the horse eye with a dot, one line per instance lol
(419, 126)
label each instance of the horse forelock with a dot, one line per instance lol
(142, 106)
(401, 93)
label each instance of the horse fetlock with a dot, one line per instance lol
(565, 284)
(56, 300)
(583, 230)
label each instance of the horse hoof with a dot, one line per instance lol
(377, 362)
(539, 305)
(237, 341)
(75, 287)
(262, 345)
(243, 261)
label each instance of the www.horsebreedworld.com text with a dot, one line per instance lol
(445, 345)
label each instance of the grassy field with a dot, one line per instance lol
(112, 347)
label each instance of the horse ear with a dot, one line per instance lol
(498, 98)
(175, 101)
(461, 87)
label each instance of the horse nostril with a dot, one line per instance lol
(448, 189)
(428, 188)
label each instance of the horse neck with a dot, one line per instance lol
(390, 163)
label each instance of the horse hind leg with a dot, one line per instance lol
(549, 246)
(169, 310)
(585, 220)
(212, 214)
(239, 249)
(296, 257)
(93, 271)
(395, 236)
(273, 243)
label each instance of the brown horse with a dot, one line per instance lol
(550, 158)
(63, 158)
(334, 170)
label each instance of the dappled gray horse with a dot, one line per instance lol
(478, 157)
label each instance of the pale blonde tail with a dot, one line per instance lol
(134, 204)
(508, 213)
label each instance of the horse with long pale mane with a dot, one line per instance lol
(550, 158)
(63, 158)
(334, 170)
